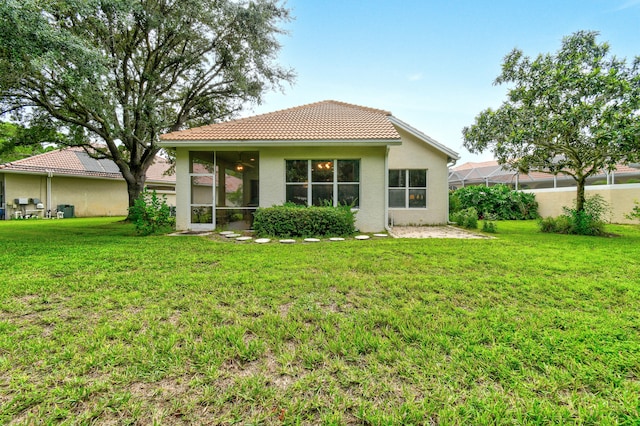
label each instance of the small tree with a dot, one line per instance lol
(575, 112)
(150, 213)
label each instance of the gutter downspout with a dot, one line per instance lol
(452, 162)
(49, 176)
(386, 191)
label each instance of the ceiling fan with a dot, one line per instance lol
(240, 164)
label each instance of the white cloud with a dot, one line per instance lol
(417, 76)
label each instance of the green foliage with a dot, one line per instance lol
(454, 202)
(467, 218)
(301, 221)
(489, 226)
(17, 142)
(151, 214)
(589, 221)
(499, 201)
(635, 212)
(573, 112)
(123, 72)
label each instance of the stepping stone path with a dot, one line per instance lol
(232, 235)
(336, 239)
(311, 240)
(244, 238)
(227, 232)
(287, 241)
(380, 235)
(262, 240)
(362, 237)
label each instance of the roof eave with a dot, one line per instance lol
(62, 173)
(254, 143)
(451, 154)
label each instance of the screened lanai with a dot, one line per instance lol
(490, 173)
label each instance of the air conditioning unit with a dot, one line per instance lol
(22, 201)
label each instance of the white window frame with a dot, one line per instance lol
(407, 189)
(335, 184)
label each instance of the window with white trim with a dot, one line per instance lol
(321, 182)
(408, 188)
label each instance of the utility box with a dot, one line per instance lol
(67, 209)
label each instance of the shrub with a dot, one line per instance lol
(488, 224)
(589, 221)
(151, 214)
(499, 201)
(635, 212)
(556, 225)
(454, 202)
(289, 220)
(467, 218)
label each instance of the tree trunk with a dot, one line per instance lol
(135, 185)
(580, 194)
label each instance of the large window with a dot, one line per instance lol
(408, 188)
(321, 182)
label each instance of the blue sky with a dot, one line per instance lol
(432, 63)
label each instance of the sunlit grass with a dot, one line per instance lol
(98, 325)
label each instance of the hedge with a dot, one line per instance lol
(499, 202)
(289, 221)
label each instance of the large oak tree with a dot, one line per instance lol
(118, 73)
(573, 112)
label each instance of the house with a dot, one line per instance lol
(70, 179)
(491, 173)
(322, 153)
(619, 188)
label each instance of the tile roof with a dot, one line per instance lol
(75, 162)
(326, 120)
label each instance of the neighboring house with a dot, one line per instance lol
(490, 173)
(71, 178)
(323, 153)
(619, 188)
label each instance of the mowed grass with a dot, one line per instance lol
(100, 326)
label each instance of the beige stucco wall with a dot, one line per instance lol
(415, 154)
(370, 216)
(90, 197)
(619, 197)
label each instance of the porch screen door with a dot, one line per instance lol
(202, 181)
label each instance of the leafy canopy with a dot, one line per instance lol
(118, 73)
(18, 142)
(573, 112)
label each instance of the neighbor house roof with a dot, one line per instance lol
(480, 172)
(321, 123)
(75, 162)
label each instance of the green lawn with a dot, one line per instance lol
(100, 326)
